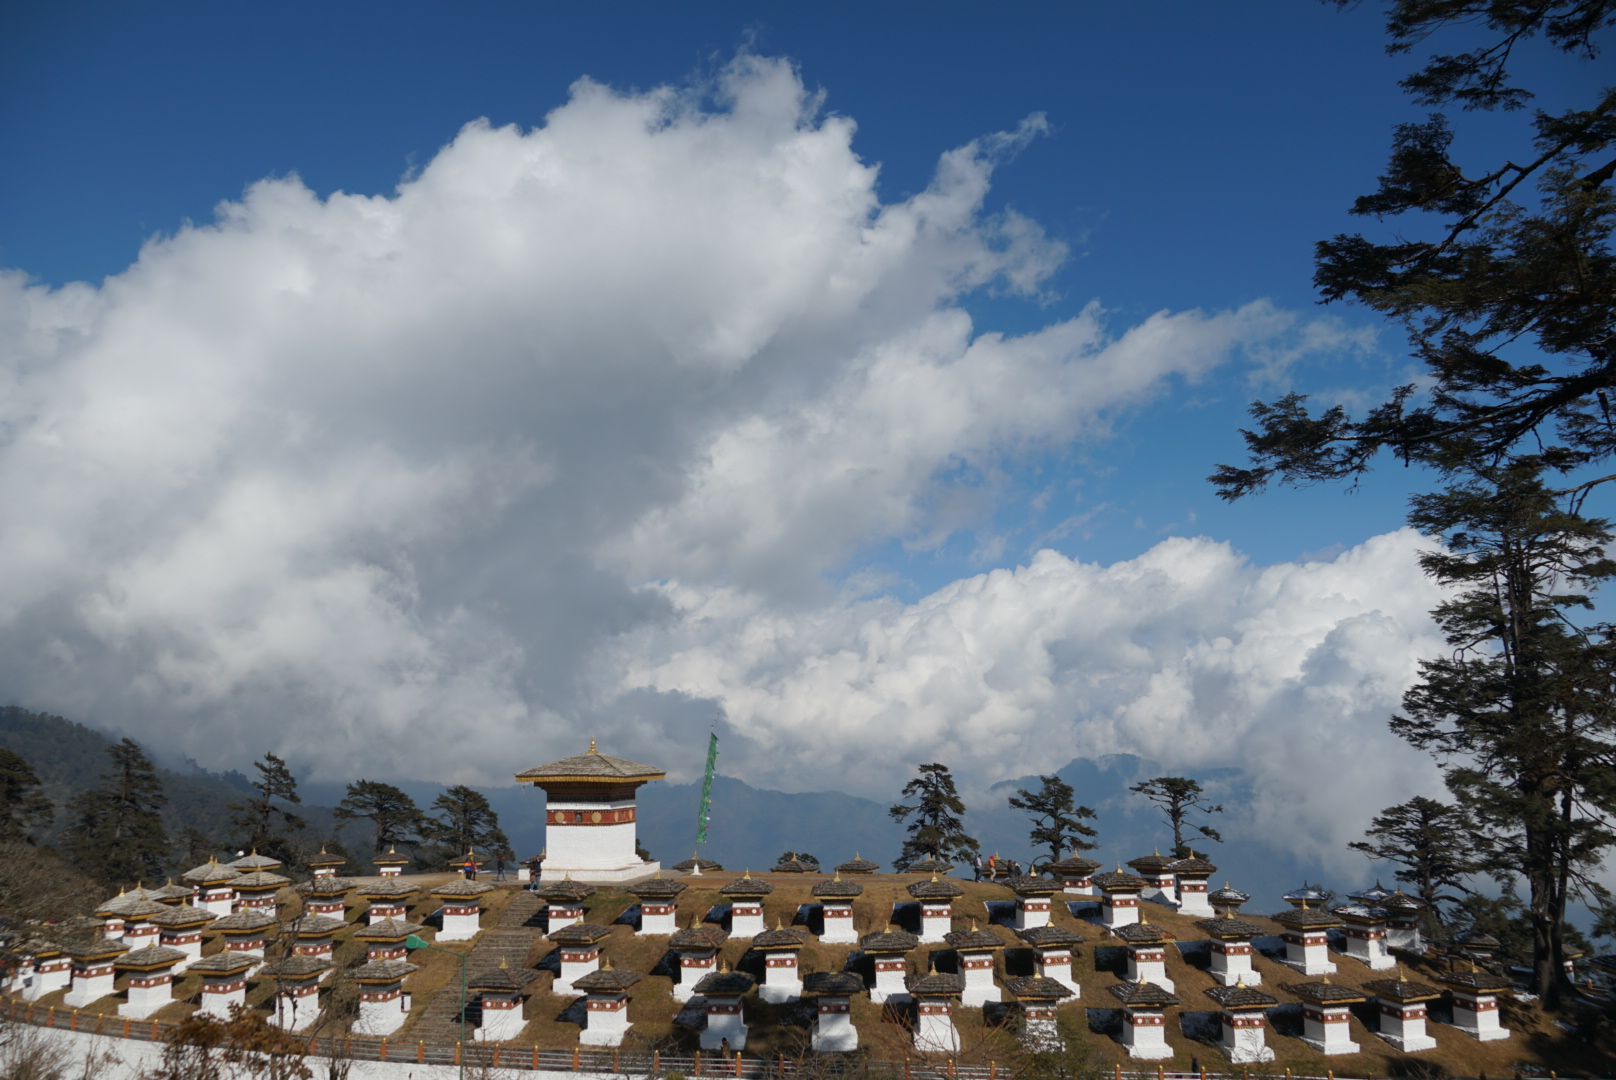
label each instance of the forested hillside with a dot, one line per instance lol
(70, 758)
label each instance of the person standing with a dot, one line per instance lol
(499, 868)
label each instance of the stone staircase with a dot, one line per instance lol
(511, 939)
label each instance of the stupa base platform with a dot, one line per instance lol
(593, 876)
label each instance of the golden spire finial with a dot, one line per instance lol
(568, 877)
(1156, 851)
(393, 849)
(1144, 917)
(1401, 977)
(973, 926)
(748, 875)
(723, 967)
(778, 924)
(1327, 980)
(1240, 983)
(934, 875)
(591, 744)
(838, 876)
(502, 964)
(857, 856)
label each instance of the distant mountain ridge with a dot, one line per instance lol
(750, 827)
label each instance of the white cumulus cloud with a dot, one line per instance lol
(377, 481)
(1188, 655)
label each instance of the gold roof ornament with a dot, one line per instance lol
(502, 964)
(1240, 983)
(592, 749)
(605, 963)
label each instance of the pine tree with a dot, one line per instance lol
(1523, 711)
(937, 830)
(1501, 274)
(1433, 844)
(1056, 818)
(464, 822)
(24, 809)
(116, 833)
(260, 822)
(1177, 796)
(394, 814)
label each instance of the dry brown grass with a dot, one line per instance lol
(1538, 1044)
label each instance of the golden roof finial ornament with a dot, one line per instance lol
(502, 964)
(605, 963)
(1240, 983)
(592, 744)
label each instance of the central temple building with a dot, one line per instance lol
(590, 821)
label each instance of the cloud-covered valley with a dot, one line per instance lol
(577, 431)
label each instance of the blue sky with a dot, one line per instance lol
(461, 494)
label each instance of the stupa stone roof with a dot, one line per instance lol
(593, 766)
(937, 888)
(182, 916)
(858, 865)
(700, 936)
(210, 873)
(973, 940)
(1031, 885)
(1045, 937)
(1327, 993)
(584, 933)
(724, 984)
(747, 885)
(936, 984)
(298, 966)
(1401, 990)
(462, 889)
(833, 984)
(248, 863)
(1306, 919)
(565, 891)
(1142, 995)
(1038, 988)
(837, 889)
(889, 941)
(255, 880)
(1074, 865)
(929, 866)
(246, 922)
(607, 981)
(224, 963)
(1230, 929)
(781, 937)
(658, 888)
(387, 930)
(382, 971)
(1241, 996)
(501, 979)
(388, 889)
(691, 863)
(149, 958)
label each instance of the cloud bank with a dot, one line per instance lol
(570, 433)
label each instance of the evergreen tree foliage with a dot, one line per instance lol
(1177, 796)
(1486, 262)
(394, 814)
(937, 830)
(24, 809)
(116, 833)
(1057, 820)
(1502, 276)
(261, 823)
(1434, 845)
(463, 821)
(1522, 712)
